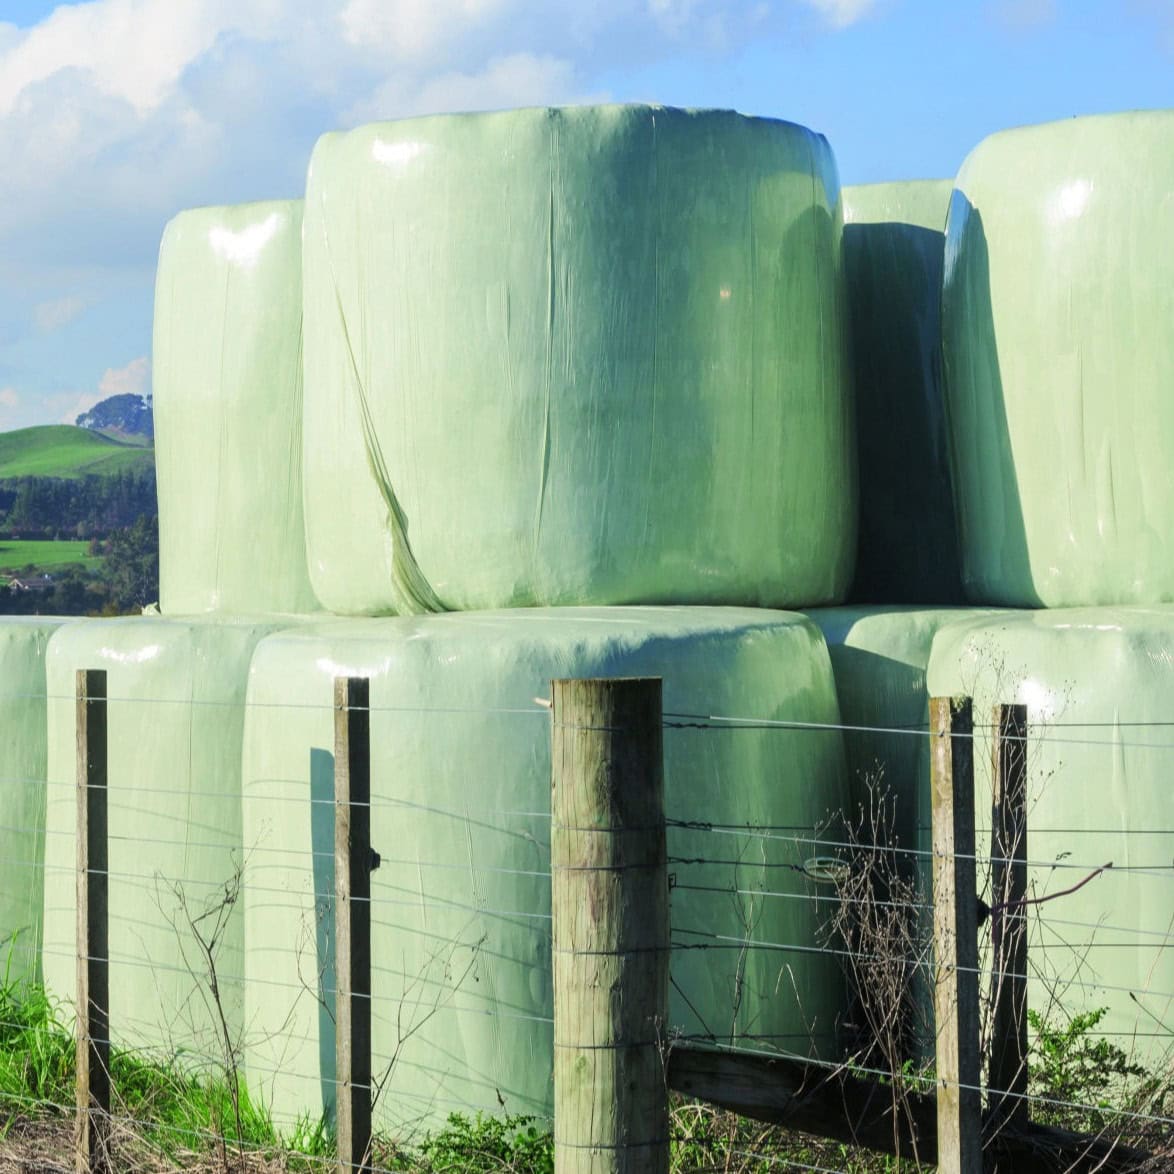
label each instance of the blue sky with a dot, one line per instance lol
(116, 114)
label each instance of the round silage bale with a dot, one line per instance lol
(228, 411)
(879, 657)
(175, 711)
(894, 241)
(1096, 683)
(460, 815)
(1056, 312)
(576, 356)
(23, 640)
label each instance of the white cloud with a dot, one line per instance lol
(9, 397)
(59, 312)
(518, 80)
(842, 13)
(115, 114)
(415, 30)
(71, 404)
(131, 49)
(131, 379)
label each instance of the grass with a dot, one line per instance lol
(170, 1119)
(16, 554)
(61, 450)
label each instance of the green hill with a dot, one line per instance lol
(61, 450)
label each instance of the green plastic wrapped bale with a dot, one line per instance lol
(1059, 359)
(228, 411)
(576, 356)
(176, 691)
(23, 641)
(1097, 686)
(879, 658)
(894, 239)
(460, 816)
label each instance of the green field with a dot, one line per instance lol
(16, 555)
(60, 450)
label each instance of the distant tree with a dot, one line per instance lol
(132, 565)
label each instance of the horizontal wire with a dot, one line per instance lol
(733, 943)
(1034, 737)
(326, 706)
(767, 832)
(729, 890)
(670, 719)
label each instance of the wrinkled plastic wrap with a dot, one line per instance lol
(576, 356)
(176, 691)
(1094, 681)
(1057, 304)
(894, 239)
(228, 411)
(22, 776)
(460, 815)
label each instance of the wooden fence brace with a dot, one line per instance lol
(352, 920)
(1008, 1061)
(610, 929)
(92, 1142)
(959, 1104)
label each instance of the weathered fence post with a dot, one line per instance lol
(959, 1104)
(609, 899)
(352, 920)
(1007, 1079)
(92, 1151)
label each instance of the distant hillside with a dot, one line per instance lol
(127, 417)
(61, 450)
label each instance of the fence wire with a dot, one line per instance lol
(731, 870)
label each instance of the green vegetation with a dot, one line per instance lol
(172, 1117)
(117, 576)
(94, 533)
(177, 1117)
(61, 450)
(17, 554)
(1082, 1076)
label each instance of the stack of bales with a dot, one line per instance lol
(557, 361)
(228, 413)
(1041, 393)
(1057, 300)
(576, 403)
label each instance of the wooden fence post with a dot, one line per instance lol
(609, 899)
(1008, 1062)
(959, 1104)
(352, 920)
(92, 1150)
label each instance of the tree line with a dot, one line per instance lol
(86, 507)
